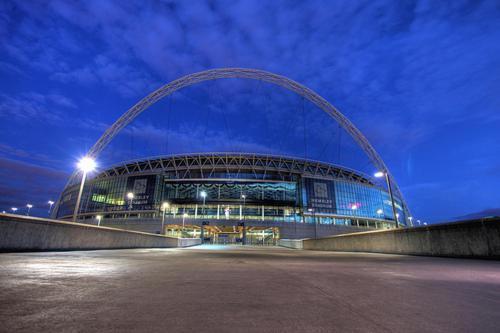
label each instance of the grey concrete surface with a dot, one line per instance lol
(236, 289)
(25, 233)
(474, 239)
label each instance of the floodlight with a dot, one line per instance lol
(87, 164)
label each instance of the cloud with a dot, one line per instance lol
(124, 79)
(11, 152)
(22, 183)
(35, 106)
(481, 214)
(194, 138)
(11, 69)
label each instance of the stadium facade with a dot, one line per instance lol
(233, 197)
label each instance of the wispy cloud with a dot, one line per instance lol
(35, 106)
(126, 80)
(22, 183)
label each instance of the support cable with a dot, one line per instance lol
(304, 126)
(169, 115)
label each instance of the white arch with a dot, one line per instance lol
(246, 73)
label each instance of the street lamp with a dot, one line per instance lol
(410, 218)
(311, 210)
(130, 197)
(204, 196)
(14, 209)
(99, 218)
(50, 205)
(164, 207)
(244, 197)
(183, 219)
(379, 212)
(29, 206)
(381, 174)
(86, 164)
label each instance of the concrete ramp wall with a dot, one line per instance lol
(474, 239)
(292, 243)
(23, 233)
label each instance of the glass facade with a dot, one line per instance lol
(260, 196)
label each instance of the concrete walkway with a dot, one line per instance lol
(251, 289)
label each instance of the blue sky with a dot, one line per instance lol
(419, 78)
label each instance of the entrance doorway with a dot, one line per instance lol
(227, 235)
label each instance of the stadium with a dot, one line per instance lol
(233, 197)
(247, 198)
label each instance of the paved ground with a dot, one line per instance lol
(228, 289)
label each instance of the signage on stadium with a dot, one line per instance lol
(319, 195)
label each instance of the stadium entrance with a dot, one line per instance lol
(227, 235)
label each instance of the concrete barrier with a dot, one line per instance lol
(23, 233)
(291, 243)
(473, 239)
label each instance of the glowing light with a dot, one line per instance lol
(29, 206)
(165, 205)
(243, 196)
(380, 211)
(87, 164)
(379, 174)
(14, 209)
(130, 195)
(51, 202)
(203, 194)
(354, 207)
(185, 215)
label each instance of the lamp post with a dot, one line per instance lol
(29, 206)
(164, 207)
(244, 197)
(14, 209)
(311, 210)
(130, 197)
(86, 165)
(99, 218)
(204, 196)
(379, 214)
(183, 220)
(354, 207)
(380, 174)
(51, 203)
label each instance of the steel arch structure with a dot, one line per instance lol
(242, 73)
